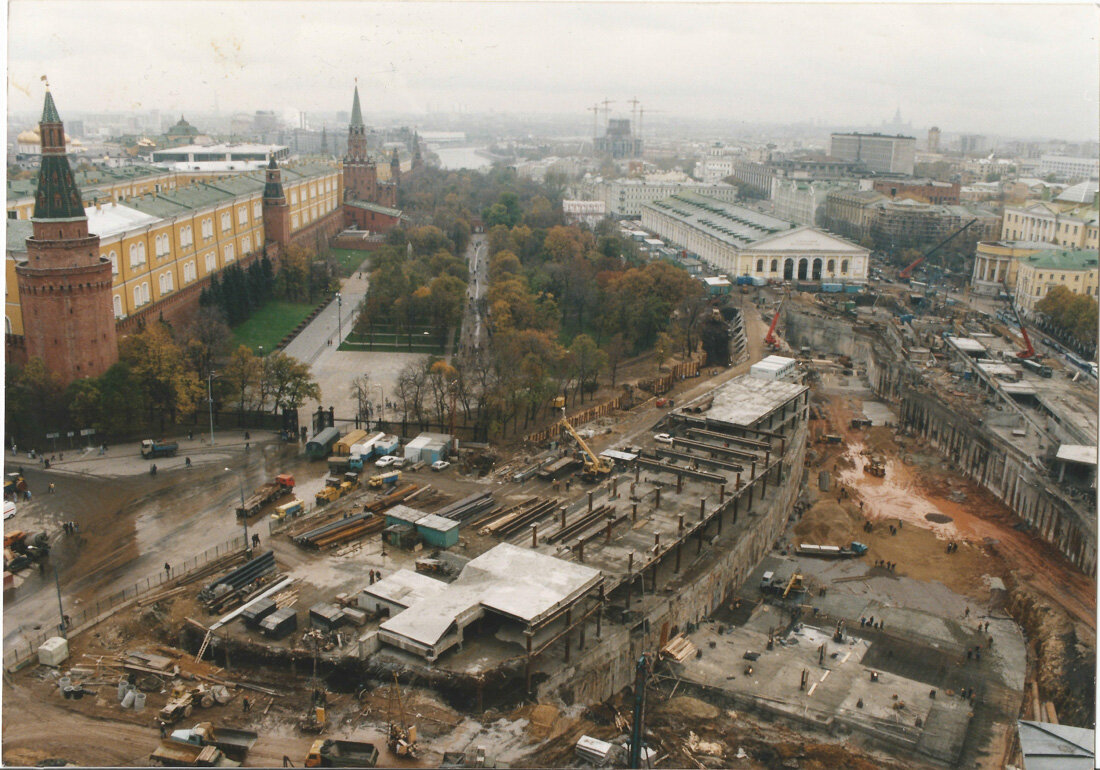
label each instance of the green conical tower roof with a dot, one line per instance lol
(356, 112)
(49, 110)
(57, 196)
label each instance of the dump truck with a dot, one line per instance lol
(335, 753)
(876, 467)
(151, 448)
(175, 754)
(384, 480)
(849, 551)
(233, 743)
(281, 485)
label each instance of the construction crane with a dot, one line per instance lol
(770, 339)
(637, 729)
(794, 584)
(402, 736)
(905, 273)
(594, 467)
(1029, 350)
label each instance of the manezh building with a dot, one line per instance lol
(82, 272)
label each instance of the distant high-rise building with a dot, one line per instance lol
(934, 139)
(973, 143)
(878, 152)
(618, 141)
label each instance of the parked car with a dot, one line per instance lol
(440, 465)
(399, 462)
(385, 462)
(663, 438)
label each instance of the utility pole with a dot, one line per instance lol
(60, 608)
(244, 519)
(339, 319)
(210, 402)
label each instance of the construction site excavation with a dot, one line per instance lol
(866, 538)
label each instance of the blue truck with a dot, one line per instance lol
(151, 448)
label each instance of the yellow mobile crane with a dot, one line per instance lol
(595, 468)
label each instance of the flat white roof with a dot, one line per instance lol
(744, 400)
(997, 369)
(774, 362)
(405, 587)
(113, 218)
(967, 345)
(716, 281)
(1077, 453)
(507, 579)
(216, 165)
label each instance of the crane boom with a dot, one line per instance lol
(594, 466)
(769, 338)
(908, 270)
(1029, 349)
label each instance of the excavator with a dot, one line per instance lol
(595, 468)
(906, 272)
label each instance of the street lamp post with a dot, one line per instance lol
(210, 401)
(244, 519)
(381, 401)
(339, 319)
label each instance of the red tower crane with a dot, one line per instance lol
(906, 272)
(770, 338)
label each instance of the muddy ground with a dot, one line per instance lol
(1054, 602)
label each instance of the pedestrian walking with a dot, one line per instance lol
(167, 569)
(27, 495)
(163, 730)
(51, 488)
(246, 705)
(187, 462)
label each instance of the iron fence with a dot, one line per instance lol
(87, 616)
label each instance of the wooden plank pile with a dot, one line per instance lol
(679, 649)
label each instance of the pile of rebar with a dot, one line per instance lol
(597, 516)
(508, 526)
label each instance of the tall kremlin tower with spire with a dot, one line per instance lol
(64, 285)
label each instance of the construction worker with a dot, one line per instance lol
(246, 705)
(167, 569)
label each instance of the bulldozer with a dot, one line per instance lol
(876, 467)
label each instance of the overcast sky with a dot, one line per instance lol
(1023, 70)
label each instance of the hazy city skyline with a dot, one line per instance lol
(1022, 70)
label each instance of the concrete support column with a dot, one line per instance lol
(568, 631)
(721, 494)
(702, 508)
(633, 513)
(579, 548)
(656, 498)
(534, 535)
(563, 512)
(599, 614)
(629, 576)
(736, 501)
(591, 496)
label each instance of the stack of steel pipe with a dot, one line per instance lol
(467, 507)
(338, 530)
(390, 500)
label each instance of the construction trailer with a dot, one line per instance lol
(255, 612)
(326, 616)
(320, 446)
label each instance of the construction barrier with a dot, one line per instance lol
(19, 653)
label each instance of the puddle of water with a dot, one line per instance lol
(895, 497)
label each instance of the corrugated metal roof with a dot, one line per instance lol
(1047, 746)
